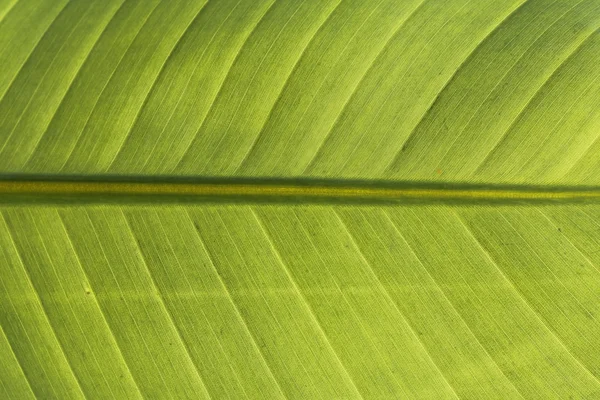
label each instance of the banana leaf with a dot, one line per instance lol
(303, 199)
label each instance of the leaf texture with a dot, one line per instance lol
(299, 199)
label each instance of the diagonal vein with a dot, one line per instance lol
(106, 84)
(593, 220)
(360, 81)
(162, 302)
(363, 328)
(236, 308)
(26, 334)
(284, 85)
(154, 83)
(131, 314)
(169, 242)
(303, 298)
(392, 93)
(451, 304)
(569, 112)
(455, 74)
(529, 103)
(183, 92)
(42, 307)
(102, 314)
(324, 80)
(69, 304)
(71, 83)
(222, 86)
(521, 295)
(243, 97)
(515, 63)
(8, 10)
(389, 298)
(547, 267)
(10, 134)
(588, 260)
(35, 46)
(18, 361)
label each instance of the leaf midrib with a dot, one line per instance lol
(128, 188)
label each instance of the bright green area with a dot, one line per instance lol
(311, 301)
(454, 90)
(314, 300)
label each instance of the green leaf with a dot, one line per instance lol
(299, 199)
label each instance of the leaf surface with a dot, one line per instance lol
(299, 199)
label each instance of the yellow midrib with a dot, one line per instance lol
(287, 190)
